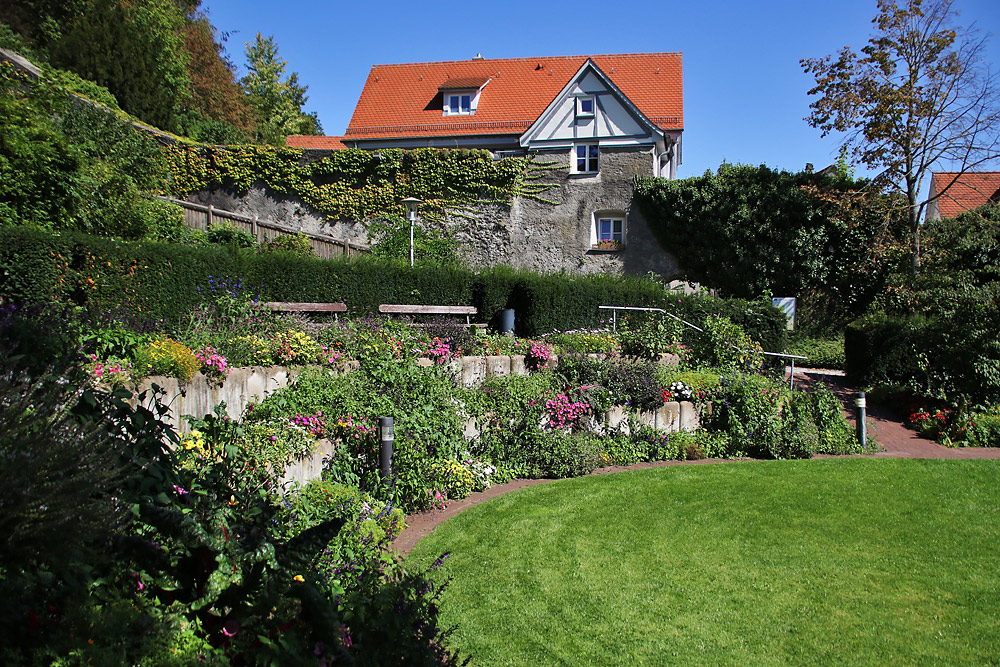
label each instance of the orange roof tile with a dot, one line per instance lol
(404, 100)
(971, 190)
(307, 141)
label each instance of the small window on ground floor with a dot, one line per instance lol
(609, 232)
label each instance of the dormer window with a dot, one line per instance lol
(585, 106)
(458, 103)
(460, 96)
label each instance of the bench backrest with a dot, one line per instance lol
(305, 307)
(404, 309)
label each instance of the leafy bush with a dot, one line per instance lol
(295, 244)
(984, 428)
(559, 454)
(633, 383)
(750, 230)
(726, 345)
(657, 335)
(578, 370)
(226, 233)
(821, 352)
(951, 352)
(623, 450)
(762, 417)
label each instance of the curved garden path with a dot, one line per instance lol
(887, 428)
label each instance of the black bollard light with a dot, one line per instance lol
(385, 436)
(862, 426)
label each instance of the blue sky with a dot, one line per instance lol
(745, 92)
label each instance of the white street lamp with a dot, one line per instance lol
(411, 215)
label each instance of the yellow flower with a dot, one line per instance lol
(298, 577)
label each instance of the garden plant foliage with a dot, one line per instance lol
(125, 543)
(748, 230)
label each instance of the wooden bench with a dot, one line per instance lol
(306, 307)
(405, 309)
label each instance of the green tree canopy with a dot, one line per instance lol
(135, 50)
(276, 100)
(749, 230)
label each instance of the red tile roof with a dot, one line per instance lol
(399, 100)
(971, 190)
(306, 141)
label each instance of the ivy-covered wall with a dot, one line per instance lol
(528, 212)
(354, 184)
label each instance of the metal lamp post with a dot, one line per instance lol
(411, 215)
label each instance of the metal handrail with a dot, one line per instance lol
(614, 327)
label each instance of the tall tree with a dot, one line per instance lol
(135, 50)
(214, 91)
(275, 99)
(919, 96)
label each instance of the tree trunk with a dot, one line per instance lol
(914, 215)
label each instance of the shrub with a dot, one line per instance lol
(657, 335)
(821, 352)
(726, 345)
(579, 370)
(169, 358)
(950, 351)
(633, 383)
(559, 454)
(295, 244)
(749, 409)
(623, 450)
(984, 428)
(226, 233)
(762, 321)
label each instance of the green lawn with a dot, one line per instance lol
(874, 561)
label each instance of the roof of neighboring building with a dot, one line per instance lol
(971, 190)
(405, 100)
(311, 141)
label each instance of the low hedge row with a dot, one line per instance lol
(162, 281)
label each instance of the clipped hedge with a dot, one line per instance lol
(952, 352)
(162, 281)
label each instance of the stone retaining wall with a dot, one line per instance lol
(199, 396)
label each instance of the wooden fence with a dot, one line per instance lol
(200, 217)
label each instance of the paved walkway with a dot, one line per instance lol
(887, 428)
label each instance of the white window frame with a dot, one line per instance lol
(580, 100)
(616, 228)
(462, 110)
(590, 159)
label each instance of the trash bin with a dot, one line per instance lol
(507, 322)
